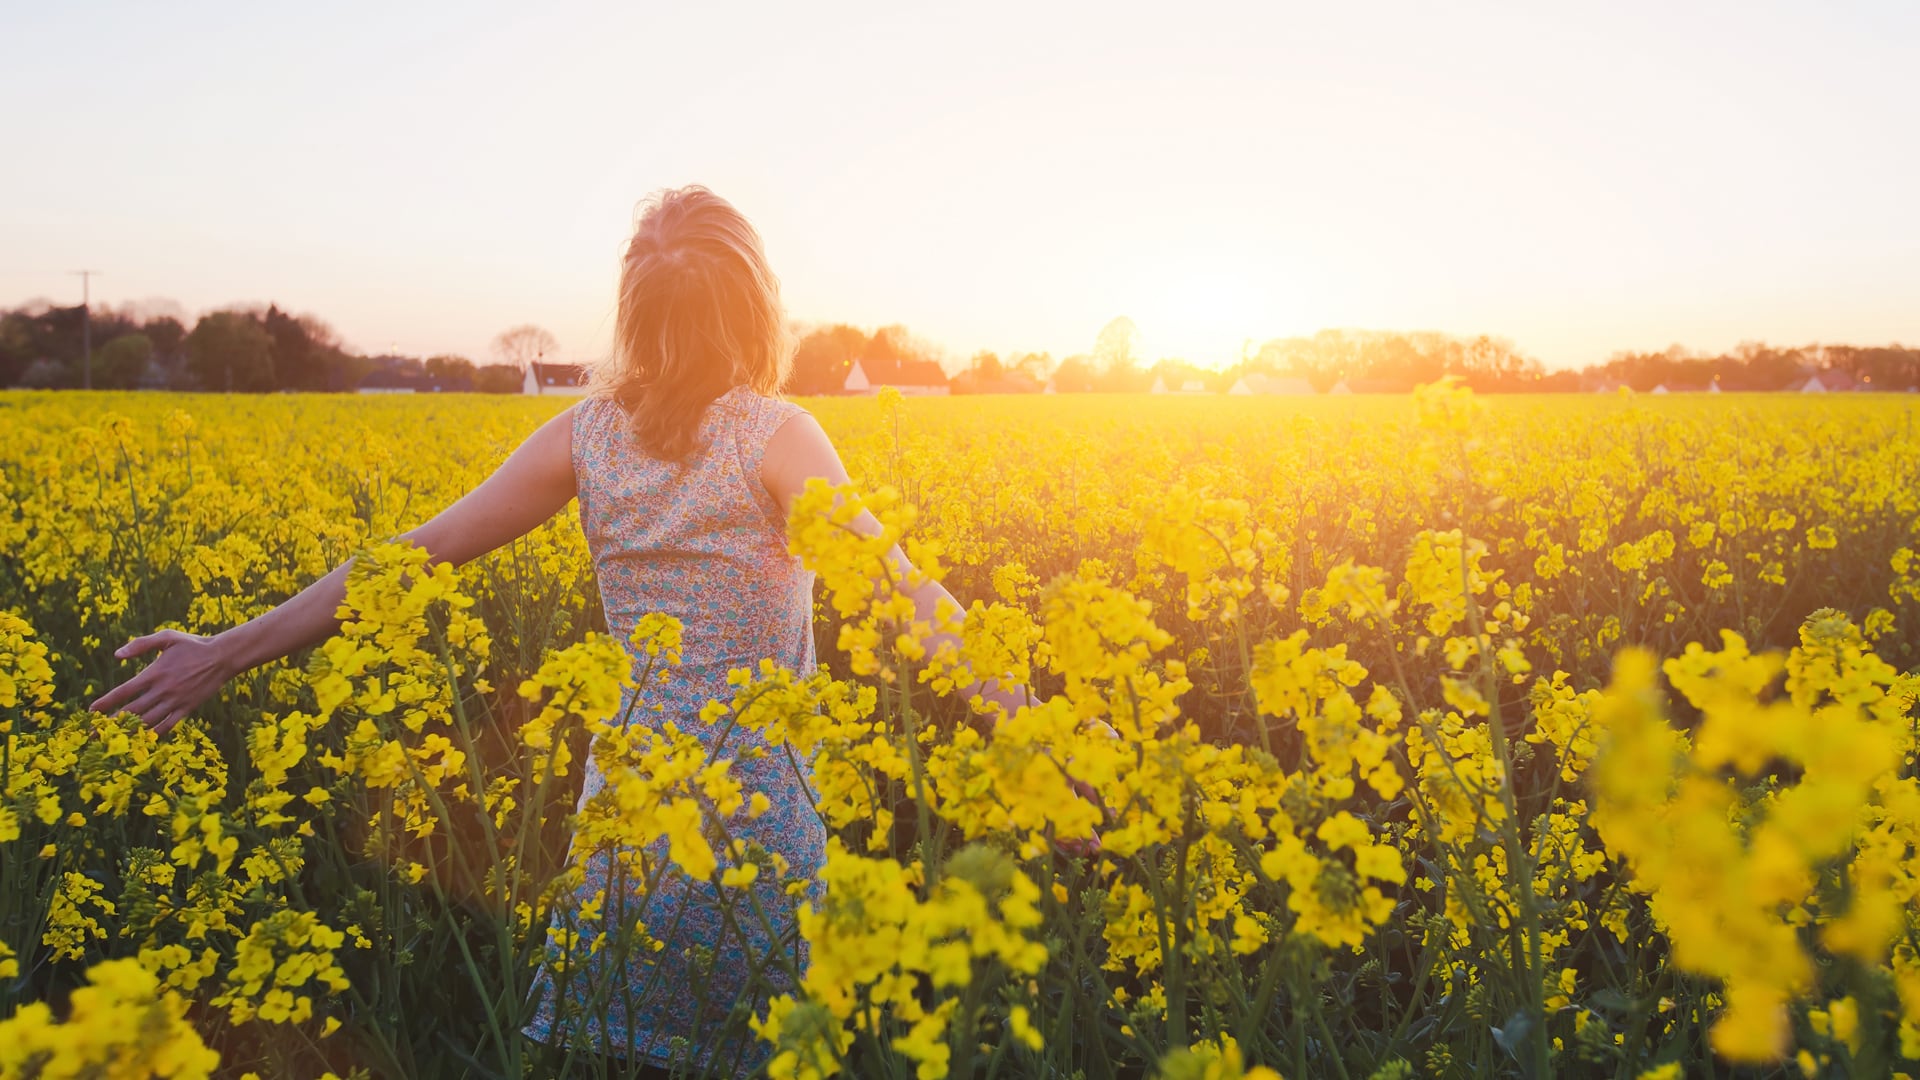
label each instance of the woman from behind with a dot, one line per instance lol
(685, 464)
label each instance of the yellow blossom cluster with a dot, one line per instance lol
(1492, 735)
(1779, 829)
(121, 1025)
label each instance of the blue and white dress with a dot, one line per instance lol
(704, 542)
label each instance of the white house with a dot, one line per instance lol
(907, 376)
(566, 379)
(1340, 387)
(1270, 384)
(1825, 381)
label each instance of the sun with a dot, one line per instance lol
(1203, 312)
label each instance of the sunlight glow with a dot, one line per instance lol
(1204, 310)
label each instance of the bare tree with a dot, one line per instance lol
(524, 346)
(1114, 349)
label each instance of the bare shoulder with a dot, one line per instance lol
(799, 451)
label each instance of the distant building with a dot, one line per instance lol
(1270, 384)
(1686, 388)
(397, 382)
(906, 376)
(567, 379)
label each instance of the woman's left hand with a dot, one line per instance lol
(1090, 846)
(190, 669)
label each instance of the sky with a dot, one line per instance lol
(1580, 179)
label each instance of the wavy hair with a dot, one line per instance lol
(699, 314)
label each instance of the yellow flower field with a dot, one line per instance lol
(1458, 737)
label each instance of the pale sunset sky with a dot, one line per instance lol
(1007, 176)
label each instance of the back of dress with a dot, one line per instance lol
(704, 542)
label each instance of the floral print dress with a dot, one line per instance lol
(704, 542)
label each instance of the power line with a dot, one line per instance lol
(86, 325)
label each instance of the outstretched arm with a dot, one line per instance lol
(800, 451)
(533, 484)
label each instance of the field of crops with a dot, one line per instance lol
(1458, 737)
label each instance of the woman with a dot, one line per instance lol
(685, 465)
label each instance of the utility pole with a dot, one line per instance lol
(86, 326)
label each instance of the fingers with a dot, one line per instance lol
(1092, 794)
(111, 701)
(147, 706)
(1079, 849)
(159, 639)
(172, 717)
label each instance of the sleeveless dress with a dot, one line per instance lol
(705, 542)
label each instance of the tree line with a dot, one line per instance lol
(241, 350)
(260, 349)
(1362, 359)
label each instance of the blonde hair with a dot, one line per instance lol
(699, 314)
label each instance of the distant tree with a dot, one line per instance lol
(300, 363)
(1116, 347)
(985, 374)
(1300, 357)
(1425, 358)
(119, 364)
(497, 379)
(1074, 375)
(1176, 373)
(824, 356)
(1885, 367)
(1034, 365)
(446, 366)
(1494, 364)
(1336, 355)
(1318, 359)
(167, 334)
(329, 355)
(526, 345)
(229, 350)
(151, 309)
(51, 333)
(1767, 368)
(1125, 379)
(894, 343)
(16, 346)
